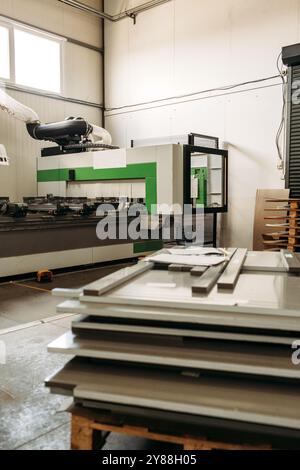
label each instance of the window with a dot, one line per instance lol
(30, 58)
(37, 61)
(4, 53)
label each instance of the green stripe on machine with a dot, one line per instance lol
(151, 194)
(145, 171)
(133, 171)
(151, 245)
(47, 176)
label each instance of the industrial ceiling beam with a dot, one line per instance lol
(131, 12)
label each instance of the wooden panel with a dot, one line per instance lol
(209, 279)
(219, 397)
(108, 283)
(198, 271)
(180, 268)
(258, 359)
(231, 274)
(211, 276)
(97, 324)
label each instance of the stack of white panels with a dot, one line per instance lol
(149, 346)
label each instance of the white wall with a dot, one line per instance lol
(82, 80)
(190, 45)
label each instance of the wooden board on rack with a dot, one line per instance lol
(283, 200)
(275, 234)
(275, 242)
(290, 235)
(284, 217)
(281, 209)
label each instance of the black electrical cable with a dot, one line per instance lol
(188, 95)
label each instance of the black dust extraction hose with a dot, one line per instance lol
(60, 132)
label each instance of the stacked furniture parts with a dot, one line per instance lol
(284, 217)
(262, 226)
(196, 345)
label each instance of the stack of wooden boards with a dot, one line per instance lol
(284, 216)
(220, 362)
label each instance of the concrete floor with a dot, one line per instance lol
(28, 301)
(30, 417)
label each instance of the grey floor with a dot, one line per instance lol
(28, 301)
(30, 417)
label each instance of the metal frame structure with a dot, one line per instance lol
(130, 13)
(187, 156)
(193, 136)
(187, 139)
(188, 150)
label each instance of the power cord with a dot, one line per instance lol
(189, 95)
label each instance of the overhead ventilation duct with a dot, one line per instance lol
(130, 13)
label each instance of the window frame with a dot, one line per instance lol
(14, 25)
(11, 66)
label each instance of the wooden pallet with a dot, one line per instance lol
(89, 433)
